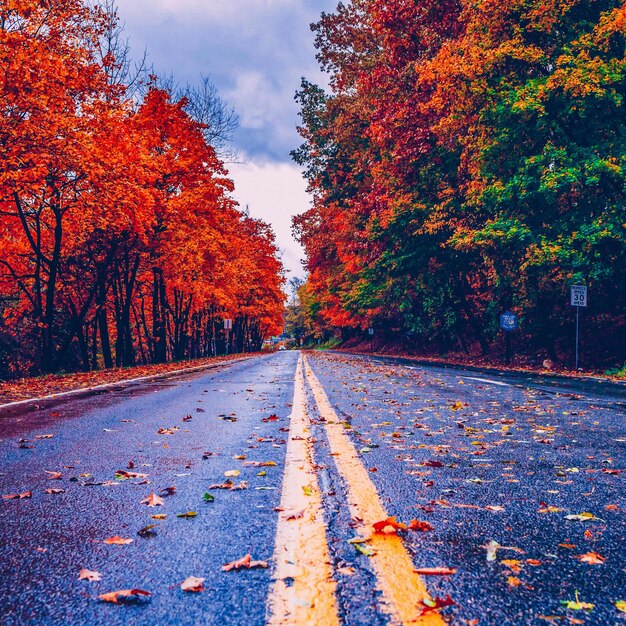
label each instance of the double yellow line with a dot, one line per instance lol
(303, 589)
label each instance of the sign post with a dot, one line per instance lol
(370, 332)
(508, 323)
(228, 326)
(578, 298)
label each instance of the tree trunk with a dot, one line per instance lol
(159, 327)
(103, 326)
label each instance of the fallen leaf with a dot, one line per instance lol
(436, 571)
(492, 550)
(420, 526)
(432, 463)
(188, 514)
(513, 581)
(307, 490)
(147, 532)
(295, 515)
(583, 517)
(92, 577)
(592, 558)
(19, 496)
(153, 500)
(123, 595)
(576, 605)
(245, 562)
(231, 473)
(124, 475)
(388, 526)
(427, 605)
(208, 497)
(271, 418)
(193, 584)
(159, 516)
(513, 564)
(54, 491)
(620, 605)
(168, 431)
(229, 484)
(54, 475)
(365, 550)
(117, 541)
(549, 509)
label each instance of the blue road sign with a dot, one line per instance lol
(508, 321)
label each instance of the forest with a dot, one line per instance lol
(120, 241)
(465, 159)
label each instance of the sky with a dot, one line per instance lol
(255, 52)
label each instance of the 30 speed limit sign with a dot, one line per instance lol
(579, 295)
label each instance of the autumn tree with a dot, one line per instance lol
(115, 205)
(467, 158)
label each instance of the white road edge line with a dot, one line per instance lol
(487, 380)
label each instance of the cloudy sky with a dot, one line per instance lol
(255, 51)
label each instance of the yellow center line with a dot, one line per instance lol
(301, 551)
(401, 586)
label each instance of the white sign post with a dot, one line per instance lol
(578, 298)
(228, 326)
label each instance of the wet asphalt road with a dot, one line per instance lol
(441, 445)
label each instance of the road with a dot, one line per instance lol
(516, 484)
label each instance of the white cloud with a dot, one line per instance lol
(274, 192)
(255, 51)
(255, 99)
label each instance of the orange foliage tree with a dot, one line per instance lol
(114, 209)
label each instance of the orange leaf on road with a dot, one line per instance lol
(245, 562)
(592, 558)
(436, 571)
(153, 500)
(193, 584)
(420, 526)
(427, 605)
(388, 526)
(18, 496)
(117, 541)
(92, 577)
(124, 594)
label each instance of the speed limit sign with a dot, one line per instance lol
(578, 295)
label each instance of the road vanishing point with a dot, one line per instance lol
(317, 489)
